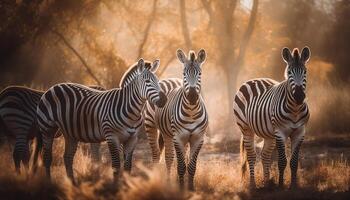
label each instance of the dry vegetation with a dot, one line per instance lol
(218, 177)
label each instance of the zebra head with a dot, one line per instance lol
(149, 83)
(192, 73)
(296, 72)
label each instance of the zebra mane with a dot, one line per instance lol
(296, 54)
(192, 55)
(131, 73)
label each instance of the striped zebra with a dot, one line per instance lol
(182, 120)
(274, 111)
(18, 121)
(89, 115)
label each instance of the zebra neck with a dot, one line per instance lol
(132, 95)
(290, 102)
(188, 109)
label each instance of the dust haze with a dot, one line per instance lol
(92, 42)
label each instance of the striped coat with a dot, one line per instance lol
(18, 120)
(88, 115)
(183, 120)
(274, 111)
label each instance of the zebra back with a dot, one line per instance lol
(167, 85)
(18, 109)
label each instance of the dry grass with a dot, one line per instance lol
(216, 178)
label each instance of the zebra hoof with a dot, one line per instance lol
(280, 186)
(269, 184)
(252, 186)
(293, 186)
(190, 187)
(182, 186)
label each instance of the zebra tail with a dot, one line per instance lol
(243, 156)
(37, 151)
(3, 137)
(161, 144)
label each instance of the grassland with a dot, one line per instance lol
(324, 173)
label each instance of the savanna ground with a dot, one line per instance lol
(324, 173)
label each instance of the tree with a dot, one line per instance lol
(337, 46)
(222, 21)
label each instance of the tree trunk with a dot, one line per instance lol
(151, 18)
(237, 65)
(184, 26)
(222, 26)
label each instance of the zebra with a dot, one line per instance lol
(18, 120)
(89, 115)
(182, 120)
(274, 111)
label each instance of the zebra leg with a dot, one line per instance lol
(169, 153)
(114, 149)
(282, 161)
(129, 148)
(20, 150)
(152, 136)
(160, 144)
(181, 165)
(269, 146)
(195, 146)
(39, 144)
(70, 148)
(248, 142)
(95, 152)
(47, 153)
(296, 139)
(26, 155)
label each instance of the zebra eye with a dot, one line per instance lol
(148, 81)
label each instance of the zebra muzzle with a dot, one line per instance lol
(299, 95)
(162, 100)
(192, 96)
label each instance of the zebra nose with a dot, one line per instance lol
(299, 94)
(162, 100)
(192, 95)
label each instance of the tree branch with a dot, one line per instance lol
(161, 72)
(207, 7)
(88, 69)
(147, 29)
(247, 35)
(184, 26)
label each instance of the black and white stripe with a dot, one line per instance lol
(154, 138)
(18, 120)
(182, 120)
(274, 111)
(88, 115)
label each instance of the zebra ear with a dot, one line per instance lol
(155, 66)
(140, 65)
(305, 54)
(286, 55)
(181, 56)
(201, 56)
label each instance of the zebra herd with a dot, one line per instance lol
(171, 112)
